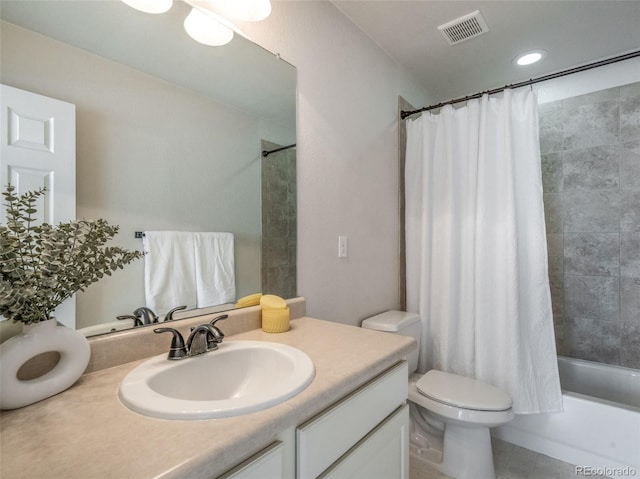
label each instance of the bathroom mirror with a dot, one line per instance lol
(169, 133)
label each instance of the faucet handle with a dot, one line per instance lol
(220, 335)
(218, 318)
(169, 316)
(136, 319)
(177, 350)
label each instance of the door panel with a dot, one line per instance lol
(38, 149)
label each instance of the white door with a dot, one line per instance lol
(38, 149)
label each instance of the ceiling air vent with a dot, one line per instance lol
(464, 28)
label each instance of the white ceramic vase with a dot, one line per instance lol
(35, 339)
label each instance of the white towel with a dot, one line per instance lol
(169, 270)
(214, 268)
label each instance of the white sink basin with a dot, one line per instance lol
(239, 378)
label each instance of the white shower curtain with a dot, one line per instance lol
(476, 247)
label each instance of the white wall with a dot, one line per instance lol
(347, 157)
(601, 78)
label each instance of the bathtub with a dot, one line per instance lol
(599, 427)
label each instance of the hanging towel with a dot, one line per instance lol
(214, 268)
(169, 270)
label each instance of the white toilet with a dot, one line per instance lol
(450, 414)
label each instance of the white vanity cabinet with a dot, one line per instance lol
(349, 422)
(354, 431)
(364, 435)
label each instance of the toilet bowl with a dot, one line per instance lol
(451, 414)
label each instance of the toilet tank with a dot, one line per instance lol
(398, 322)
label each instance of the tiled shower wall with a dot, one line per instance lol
(590, 146)
(279, 227)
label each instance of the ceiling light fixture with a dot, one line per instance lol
(150, 6)
(530, 57)
(209, 20)
(206, 29)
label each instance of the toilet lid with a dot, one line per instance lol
(463, 392)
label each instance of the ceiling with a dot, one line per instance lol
(572, 33)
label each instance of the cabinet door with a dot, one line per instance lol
(325, 438)
(267, 464)
(382, 454)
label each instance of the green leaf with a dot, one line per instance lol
(42, 265)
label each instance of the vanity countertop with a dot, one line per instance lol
(86, 432)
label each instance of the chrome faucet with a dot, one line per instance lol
(203, 338)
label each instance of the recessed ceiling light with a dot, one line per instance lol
(528, 58)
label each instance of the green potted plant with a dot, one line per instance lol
(41, 265)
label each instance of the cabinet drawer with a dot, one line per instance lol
(323, 439)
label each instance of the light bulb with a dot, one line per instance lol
(205, 29)
(529, 57)
(150, 6)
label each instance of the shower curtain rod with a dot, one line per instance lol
(551, 76)
(266, 153)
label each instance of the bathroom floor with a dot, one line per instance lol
(511, 462)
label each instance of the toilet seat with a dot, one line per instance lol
(456, 414)
(459, 391)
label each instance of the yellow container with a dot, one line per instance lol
(275, 314)
(271, 301)
(275, 320)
